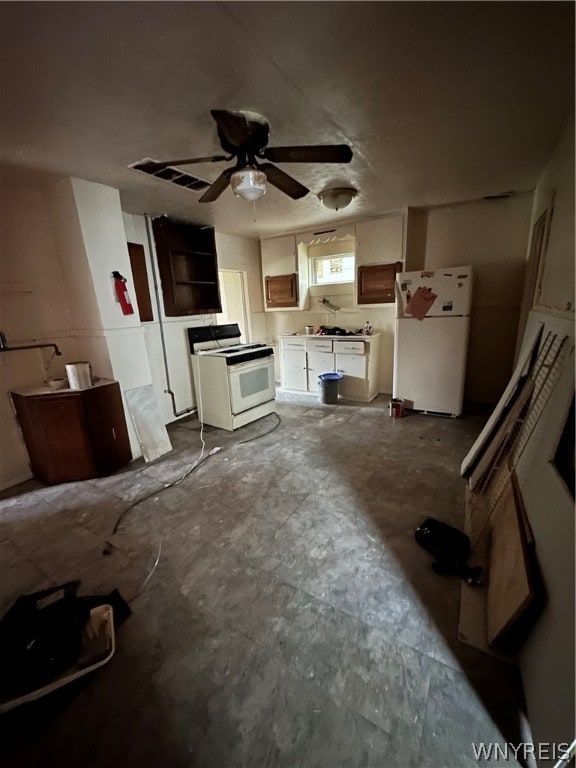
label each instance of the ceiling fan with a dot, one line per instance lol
(244, 136)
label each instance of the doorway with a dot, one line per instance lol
(233, 298)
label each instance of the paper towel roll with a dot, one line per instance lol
(79, 375)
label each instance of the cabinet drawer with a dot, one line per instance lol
(319, 345)
(349, 347)
(293, 343)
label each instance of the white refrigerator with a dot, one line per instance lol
(430, 354)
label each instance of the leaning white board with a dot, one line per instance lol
(485, 446)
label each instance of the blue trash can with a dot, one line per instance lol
(329, 387)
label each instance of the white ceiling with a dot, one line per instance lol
(439, 101)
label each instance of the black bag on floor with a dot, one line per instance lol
(450, 547)
(40, 636)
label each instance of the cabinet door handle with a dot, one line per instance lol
(113, 433)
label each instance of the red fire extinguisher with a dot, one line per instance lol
(122, 295)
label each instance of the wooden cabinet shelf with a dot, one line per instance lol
(188, 268)
(74, 434)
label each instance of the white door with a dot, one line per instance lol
(294, 369)
(354, 383)
(430, 363)
(318, 362)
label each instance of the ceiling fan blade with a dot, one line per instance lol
(151, 166)
(283, 182)
(321, 153)
(233, 128)
(215, 190)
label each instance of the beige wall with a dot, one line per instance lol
(58, 248)
(34, 306)
(492, 237)
(547, 659)
(243, 254)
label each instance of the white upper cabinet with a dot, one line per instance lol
(380, 241)
(279, 256)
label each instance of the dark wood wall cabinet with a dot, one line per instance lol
(376, 283)
(281, 290)
(188, 268)
(74, 434)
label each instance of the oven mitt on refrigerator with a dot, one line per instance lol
(420, 303)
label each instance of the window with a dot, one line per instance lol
(333, 269)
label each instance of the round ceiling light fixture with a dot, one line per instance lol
(337, 197)
(249, 183)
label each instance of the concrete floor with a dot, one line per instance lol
(291, 621)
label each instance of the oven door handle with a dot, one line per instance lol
(249, 365)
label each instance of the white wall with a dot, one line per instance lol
(547, 659)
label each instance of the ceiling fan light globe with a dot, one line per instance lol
(248, 183)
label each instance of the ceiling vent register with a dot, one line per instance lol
(173, 175)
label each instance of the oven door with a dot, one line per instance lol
(251, 384)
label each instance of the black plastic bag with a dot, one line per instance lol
(40, 636)
(450, 547)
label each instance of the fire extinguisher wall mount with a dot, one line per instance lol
(122, 295)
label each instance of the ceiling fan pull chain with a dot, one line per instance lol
(254, 201)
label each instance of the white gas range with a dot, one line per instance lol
(234, 383)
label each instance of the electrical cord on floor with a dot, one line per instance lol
(108, 549)
(257, 437)
(189, 471)
(149, 575)
(200, 460)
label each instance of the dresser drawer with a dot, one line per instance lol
(350, 347)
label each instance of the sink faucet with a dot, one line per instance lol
(4, 347)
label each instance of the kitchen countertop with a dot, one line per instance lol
(44, 389)
(356, 337)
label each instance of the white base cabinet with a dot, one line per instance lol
(303, 359)
(318, 362)
(294, 370)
